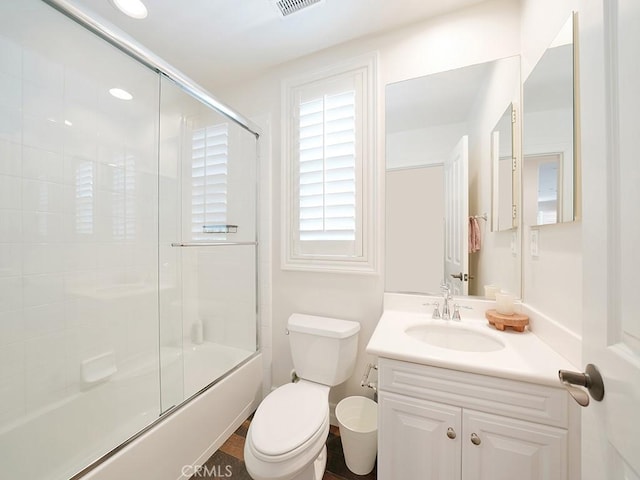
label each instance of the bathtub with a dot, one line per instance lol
(208, 361)
(167, 448)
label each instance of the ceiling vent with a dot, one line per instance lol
(287, 7)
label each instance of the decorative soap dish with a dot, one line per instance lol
(517, 321)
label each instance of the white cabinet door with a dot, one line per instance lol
(414, 439)
(500, 448)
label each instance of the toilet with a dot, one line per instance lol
(286, 438)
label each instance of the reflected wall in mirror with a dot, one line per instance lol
(504, 172)
(549, 171)
(439, 176)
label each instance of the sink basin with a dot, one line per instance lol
(455, 338)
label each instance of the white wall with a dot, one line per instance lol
(478, 34)
(552, 281)
(422, 146)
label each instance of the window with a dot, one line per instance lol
(124, 201)
(209, 159)
(84, 197)
(329, 170)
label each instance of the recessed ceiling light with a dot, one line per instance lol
(68, 123)
(120, 93)
(132, 8)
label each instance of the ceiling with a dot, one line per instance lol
(217, 42)
(436, 99)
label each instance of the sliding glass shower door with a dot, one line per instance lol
(207, 244)
(127, 244)
(78, 244)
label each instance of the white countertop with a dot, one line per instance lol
(525, 357)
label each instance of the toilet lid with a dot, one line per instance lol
(287, 418)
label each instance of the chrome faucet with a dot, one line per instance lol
(446, 293)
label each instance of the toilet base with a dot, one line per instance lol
(320, 464)
(315, 470)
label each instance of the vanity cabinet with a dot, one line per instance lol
(440, 424)
(413, 440)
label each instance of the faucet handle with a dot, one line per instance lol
(456, 311)
(436, 310)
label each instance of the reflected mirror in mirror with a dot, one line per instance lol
(504, 171)
(439, 181)
(549, 171)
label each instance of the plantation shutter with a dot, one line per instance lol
(124, 204)
(328, 170)
(209, 164)
(84, 183)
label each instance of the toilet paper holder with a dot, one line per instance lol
(364, 382)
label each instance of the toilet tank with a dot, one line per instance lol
(323, 349)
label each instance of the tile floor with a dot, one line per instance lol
(228, 461)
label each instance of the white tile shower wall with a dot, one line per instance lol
(78, 228)
(224, 295)
(473, 35)
(10, 153)
(219, 283)
(12, 380)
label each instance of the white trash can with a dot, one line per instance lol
(358, 421)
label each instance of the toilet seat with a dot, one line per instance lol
(288, 420)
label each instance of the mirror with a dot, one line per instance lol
(549, 165)
(504, 170)
(439, 178)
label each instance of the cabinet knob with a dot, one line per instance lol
(475, 439)
(451, 433)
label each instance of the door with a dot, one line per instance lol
(610, 104)
(502, 448)
(542, 189)
(456, 218)
(418, 439)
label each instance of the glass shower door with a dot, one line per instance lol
(78, 244)
(208, 244)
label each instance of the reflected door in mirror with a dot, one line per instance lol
(541, 189)
(456, 218)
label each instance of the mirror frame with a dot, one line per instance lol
(515, 177)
